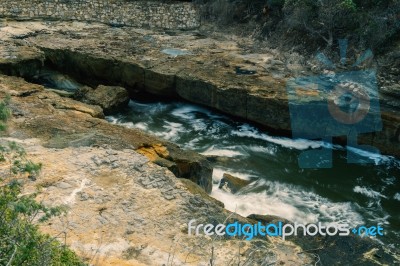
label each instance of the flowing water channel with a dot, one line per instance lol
(349, 193)
(357, 194)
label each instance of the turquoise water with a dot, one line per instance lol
(357, 194)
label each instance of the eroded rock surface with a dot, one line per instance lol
(206, 74)
(110, 98)
(182, 163)
(63, 122)
(122, 209)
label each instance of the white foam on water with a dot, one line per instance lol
(376, 157)
(115, 120)
(59, 81)
(186, 111)
(148, 108)
(219, 172)
(193, 143)
(141, 125)
(66, 84)
(112, 119)
(255, 203)
(199, 125)
(282, 204)
(299, 144)
(293, 202)
(127, 124)
(221, 152)
(370, 193)
(379, 220)
(389, 180)
(262, 149)
(396, 196)
(284, 200)
(308, 201)
(172, 130)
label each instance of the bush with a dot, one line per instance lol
(4, 113)
(324, 19)
(369, 24)
(21, 243)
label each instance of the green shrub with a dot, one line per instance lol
(21, 243)
(4, 113)
(368, 24)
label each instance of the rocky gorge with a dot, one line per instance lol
(115, 179)
(114, 194)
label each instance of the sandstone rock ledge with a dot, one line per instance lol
(207, 74)
(122, 208)
(63, 122)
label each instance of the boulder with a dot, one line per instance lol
(183, 163)
(110, 98)
(232, 184)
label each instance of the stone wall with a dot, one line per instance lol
(175, 15)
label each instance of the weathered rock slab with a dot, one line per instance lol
(232, 183)
(110, 98)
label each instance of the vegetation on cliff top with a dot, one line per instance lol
(311, 24)
(20, 241)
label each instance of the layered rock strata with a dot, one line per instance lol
(201, 69)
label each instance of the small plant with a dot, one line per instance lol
(21, 243)
(4, 112)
